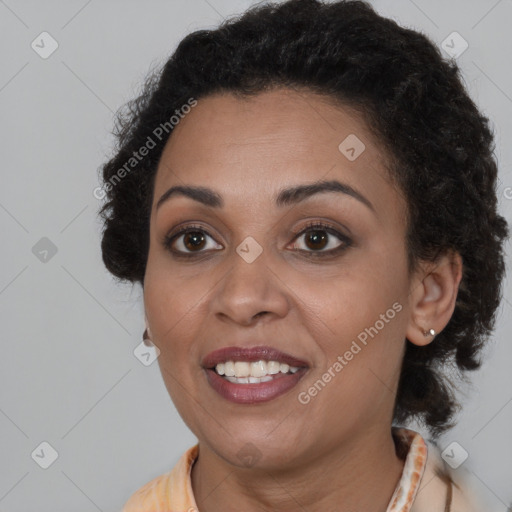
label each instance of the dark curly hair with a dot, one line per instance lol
(440, 146)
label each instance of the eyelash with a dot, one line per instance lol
(312, 226)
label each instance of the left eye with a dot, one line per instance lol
(320, 238)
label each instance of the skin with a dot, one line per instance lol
(335, 452)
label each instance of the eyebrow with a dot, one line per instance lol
(285, 197)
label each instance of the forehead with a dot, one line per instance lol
(270, 141)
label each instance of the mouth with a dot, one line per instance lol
(258, 374)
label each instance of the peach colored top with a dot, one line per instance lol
(426, 484)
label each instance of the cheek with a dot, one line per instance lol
(366, 311)
(358, 300)
(173, 307)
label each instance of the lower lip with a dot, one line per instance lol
(254, 393)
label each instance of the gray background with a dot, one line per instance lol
(68, 375)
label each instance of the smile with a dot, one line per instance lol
(245, 372)
(252, 375)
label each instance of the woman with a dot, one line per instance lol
(307, 197)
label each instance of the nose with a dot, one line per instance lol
(250, 291)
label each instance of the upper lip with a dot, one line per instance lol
(250, 354)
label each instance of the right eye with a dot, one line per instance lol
(189, 240)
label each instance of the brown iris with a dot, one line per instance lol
(317, 238)
(193, 240)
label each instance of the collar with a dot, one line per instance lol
(411, 446)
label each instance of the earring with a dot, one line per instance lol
(430, 332)
(146, 339)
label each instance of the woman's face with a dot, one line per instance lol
(252, 272)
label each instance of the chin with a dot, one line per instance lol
(256, 452)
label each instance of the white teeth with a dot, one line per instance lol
(229, 369)
(258, 368)
(252, 372)
(249, 380)
(242, 369)
(273, 367)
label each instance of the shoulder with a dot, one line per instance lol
(445, 489)
(170, 490)
(151, 497)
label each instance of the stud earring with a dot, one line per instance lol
(430, 332)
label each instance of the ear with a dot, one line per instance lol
(432, 297)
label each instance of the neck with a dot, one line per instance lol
(359, 476)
